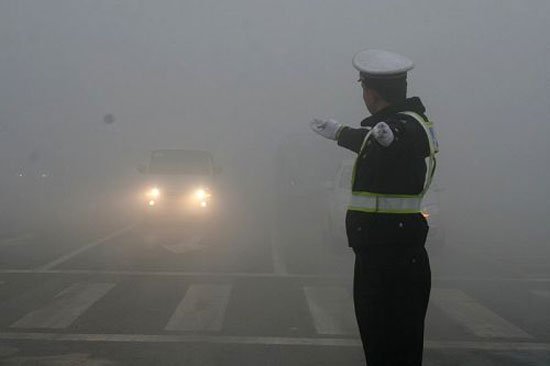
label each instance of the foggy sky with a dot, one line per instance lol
(241, 77)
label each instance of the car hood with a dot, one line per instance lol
(176, 182)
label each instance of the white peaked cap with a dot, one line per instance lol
(382, 64)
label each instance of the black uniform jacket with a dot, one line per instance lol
(399, 168)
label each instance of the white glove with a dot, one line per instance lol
(383, 134)
(327, 128)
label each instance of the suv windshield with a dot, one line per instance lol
(180, 162)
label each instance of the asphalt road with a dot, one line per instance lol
(248, 291)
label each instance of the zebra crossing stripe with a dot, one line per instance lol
(264, 341)
(475, 317)
(347, 278)
(332, 310)
(202, 309)
(66, 307)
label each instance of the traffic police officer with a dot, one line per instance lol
(396, 149)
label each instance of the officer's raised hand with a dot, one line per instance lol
(327, 128)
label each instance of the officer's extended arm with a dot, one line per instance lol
(353, 138)
(350, 138)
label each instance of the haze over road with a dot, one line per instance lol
(186, 294)
(91, 89)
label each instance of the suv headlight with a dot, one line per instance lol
(202, 194)
(153, 193)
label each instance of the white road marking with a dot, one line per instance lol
(279, 265)
(489, 346)
(80, 359)
(81, 250)
(332, 310)
(202, 309)
(475, 317)
(266, 341)
(249, 275)
(171, 273)
(192, 244)
(542, 293)
(66, 307)
(527, 260)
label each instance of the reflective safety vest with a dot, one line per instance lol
(397, 203)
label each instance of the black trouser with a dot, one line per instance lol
(391, 290)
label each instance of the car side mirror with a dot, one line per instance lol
(142, 168)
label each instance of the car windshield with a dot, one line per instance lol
(180, 162)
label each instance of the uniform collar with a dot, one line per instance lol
(413, 104)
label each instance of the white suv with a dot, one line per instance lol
(179, 184)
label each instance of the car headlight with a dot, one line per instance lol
(154, 193)
(202, 197)
(202, 194)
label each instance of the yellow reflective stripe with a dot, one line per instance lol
(353, 174)
(386, 203)
(426, 125)
(365, 140)
(431, 162)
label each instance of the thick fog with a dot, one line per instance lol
(88, 88)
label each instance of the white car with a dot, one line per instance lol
(338, 199)
(180, 184)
